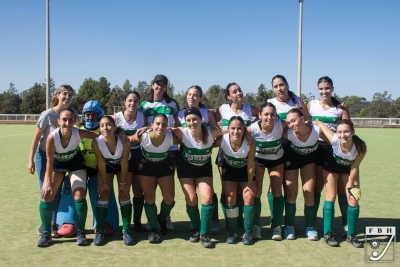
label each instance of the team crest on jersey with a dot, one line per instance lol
(140, 166)
(260, 145)
(168, 109)
(288, 163)
(151, 112)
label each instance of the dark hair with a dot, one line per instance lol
(297, 111)
(292, 96)
(70, 110)
(196, 111)
(54, 100)
(150, 97)
(226, 91)
(132, 92)
(358, 142)
(267, 104)
(241, 121)
(109, 118)
(198, 88)
(335, 102)
(160, 115)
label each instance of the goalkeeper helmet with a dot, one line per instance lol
(92, 106)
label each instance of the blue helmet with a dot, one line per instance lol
(92, 106)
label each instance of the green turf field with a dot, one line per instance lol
(19, 220)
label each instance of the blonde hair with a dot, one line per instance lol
(65, 87)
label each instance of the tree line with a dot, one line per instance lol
(33, 100)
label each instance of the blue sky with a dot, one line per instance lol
(207, 42)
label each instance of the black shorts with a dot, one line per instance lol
(113, 168)
(331, 165)
(233, 174)
(323, 149)
(76, 163)
(187, 170)
(91, 172)
(158, 169)
(136, 154)
(174, 155)
(294, 161)
(266, 163)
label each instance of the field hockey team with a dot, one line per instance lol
(144, 145)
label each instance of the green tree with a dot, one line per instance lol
(94, 90)
(214, 97)
(170, 89)
(127, 86)
(180, 98)
(307, 97)
(115, 101)
(381, 106)
(356, 105)
(34, 99)
(11, 101)
(143, 89)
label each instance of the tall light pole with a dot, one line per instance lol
(47, 53)
(300, 48)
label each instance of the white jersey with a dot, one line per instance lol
(268, 146)
(236, 159)
(307, 147)
(108, 157)
(340, 157)
(330, 116)
(196, 153)
(153, 153)
(66, 154)
(130, 129)
(204, 115)
(283, 108)
(227, 113)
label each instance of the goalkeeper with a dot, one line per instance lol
(348, 152)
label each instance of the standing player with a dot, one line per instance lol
(63, 155)
(48, 122)
(112, 159)
(130, 120)
(329, 111)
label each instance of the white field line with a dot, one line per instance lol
(14, 135)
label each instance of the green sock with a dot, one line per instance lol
(222, 201)
(248, 216)
(240, 204)
(232, 213)
(138, 203)
(101, 215)
(257, 211)
(215, 204)
(317, 200)
(290, 209)
(342, 199)
(309, 215)
(165, 210)
(151, 214)
(126, 215)
(80, 213)
(329, 214)
(206, 216)
(46, 212)
(278, 206)
(353, 212)
(194, 216)
(271, 204)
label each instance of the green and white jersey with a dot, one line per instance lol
(307, 147)
(108, 157)
(236, 159)
(68, 153)
(268, 146)
(340, 157)
(130, 129)
(195, 153)
(204, 115)
(227, 113)
(153, 153)
(283, 108)
(330, 116)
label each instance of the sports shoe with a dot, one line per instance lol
(344, 231)
(353, 240)
(45, 240)
(98, 239)
(170, 226)
(81, 238)
(289, 233)
(232, 236)
(138, 227)
(205, 241)
(195, 237)
(54, 230)
(67, 230)
(154, 237)
(39, 231)
(312, 234)
(256, 233)
(163, 227)
(277, 233)
(215, 229)
(146, 226)
(191, 227)
(127, 237)
(247, 239)
(330, 239)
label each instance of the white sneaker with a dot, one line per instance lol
(289, 233)
(170, 226)
(256, 233)
(277, 233)
(312, 234)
